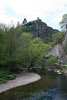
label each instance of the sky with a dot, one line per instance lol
(49, 11)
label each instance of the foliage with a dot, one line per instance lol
(57, 38)
(2, 80)
(39, 29)
(61, 63)
(50, 61)
(38, 49)
(63, 22)
(20, 50)
(4, 77)
(31, 50)
(2, 47)
(11, 77)
(63, 25)
(22, 54)
(65, 44)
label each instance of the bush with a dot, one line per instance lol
(11, 77)
(3, 74)
(2, 80)
(50, 61)
(57, 38)
(4, 77)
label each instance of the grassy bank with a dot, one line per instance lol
(5, 75)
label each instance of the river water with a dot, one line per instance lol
(50, 87)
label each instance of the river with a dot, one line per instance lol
(50, 87)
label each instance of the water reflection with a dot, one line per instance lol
(51, 94)
(50, 87)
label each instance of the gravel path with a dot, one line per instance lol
(22, 79)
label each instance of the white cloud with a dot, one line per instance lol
(31, 9)
(61, 10)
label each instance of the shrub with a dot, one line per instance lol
(57, 38)
(4, 77)
(11, 77)
(2, 80)
(50, 61)
(3, 74)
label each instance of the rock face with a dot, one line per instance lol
(39, 29)
(65, 47)
(57, 50)
(24, 21)
(65, 41)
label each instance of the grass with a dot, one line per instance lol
(5, 76)
(11, 77)
(2, 80)
(61, 63)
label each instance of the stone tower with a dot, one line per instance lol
(24, 21)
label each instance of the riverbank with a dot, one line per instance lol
(22, 79)
(61, 68)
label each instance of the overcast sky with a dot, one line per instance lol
(50, 11)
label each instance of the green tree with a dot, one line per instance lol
(65, 44)
(31, 50)
(3, 48)
(37, 50)
(57, 38)
(22, 54)
(63, 23)
(50, 61)
(13, 43)
(3, 27)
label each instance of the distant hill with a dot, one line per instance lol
(39, 29)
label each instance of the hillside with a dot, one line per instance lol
(39, 29)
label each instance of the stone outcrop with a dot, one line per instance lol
(24, 21)
(57, 50)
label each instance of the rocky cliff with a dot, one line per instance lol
(39, 29)
(57, 50)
